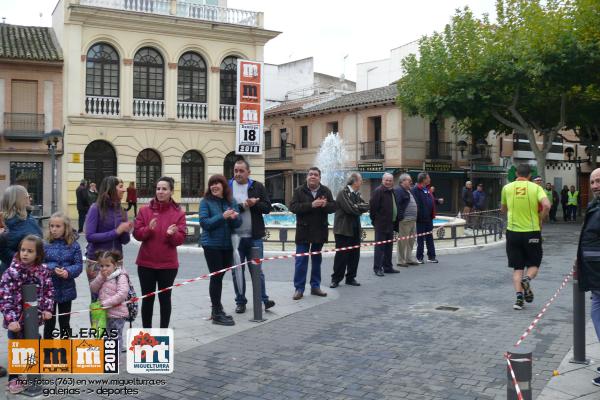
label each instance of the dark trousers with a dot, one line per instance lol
(82, 215)
(571, 213)
(565, 212)
(553, 210)
(134, 205)
(423, 227)
(383, 252)
(15, 335)
(63, 320)
(150, 278)
(345, 261)
(217, 259)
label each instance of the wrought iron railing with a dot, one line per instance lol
(444, 151)
(278, 154)
(24, 126)
(372, 150)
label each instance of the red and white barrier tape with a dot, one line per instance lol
(259, 261)
(514, 378)
(544, 309)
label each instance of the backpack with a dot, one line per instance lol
(132, 307)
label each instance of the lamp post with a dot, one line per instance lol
(52, 140)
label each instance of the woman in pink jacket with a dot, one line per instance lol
(160, 226)
(112, 287)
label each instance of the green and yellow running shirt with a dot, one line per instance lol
(522, 199)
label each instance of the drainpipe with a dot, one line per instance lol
(356, 137)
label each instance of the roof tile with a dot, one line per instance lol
(35, 43)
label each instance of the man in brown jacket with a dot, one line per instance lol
(346, 227)
(311, 203)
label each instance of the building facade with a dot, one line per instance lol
(31, 70)
(378, 138)
(150, 90)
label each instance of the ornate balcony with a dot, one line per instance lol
(279, 154)
(443, 151)
(226, 113)
(182, 8)
(103, 106)
(372, 150)
(192, 111)
(147, 108)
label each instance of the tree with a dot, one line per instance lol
(514, 76)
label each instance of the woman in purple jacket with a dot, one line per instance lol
(106, 224)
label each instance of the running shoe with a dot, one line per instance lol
(527, 289)
(596, 381)
(518, 304)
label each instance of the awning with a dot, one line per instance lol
(377, 175)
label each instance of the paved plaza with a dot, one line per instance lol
(383, 340)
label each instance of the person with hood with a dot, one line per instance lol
(161, 227)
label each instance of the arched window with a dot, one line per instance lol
(229, 162)
(228, 80)
(192, 174)
(191, 78)
(148, 75)
(102, 71)
(99, 161)
(147, 172)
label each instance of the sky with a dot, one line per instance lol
(327, 30)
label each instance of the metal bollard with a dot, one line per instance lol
(522, 365)
(31, 331)
(255, 270)
(578, 325)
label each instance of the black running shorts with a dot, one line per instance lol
(524, 249)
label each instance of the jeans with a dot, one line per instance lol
(301, 268)
(423, 227)
(596, 311)
(15, 335)
(239, 278)
(383, 252)
(571, 213)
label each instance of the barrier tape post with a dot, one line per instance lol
(255, 270)
(578, 325)
(519, 372)
(31, 330)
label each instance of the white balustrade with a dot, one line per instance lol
(185, 9)
(104, 106)
(149, 108)
(192, 111)
(227, 113)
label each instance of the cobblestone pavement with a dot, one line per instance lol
(385, 340)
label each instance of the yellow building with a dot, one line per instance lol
(150, 90)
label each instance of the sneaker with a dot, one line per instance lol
(420, 262)
(14, 386)
(527, 289)
(596, 381)
(433, 260)
(598, 370)
(518, 304)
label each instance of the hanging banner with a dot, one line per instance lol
(249, 118)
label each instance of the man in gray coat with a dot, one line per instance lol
(346, 227)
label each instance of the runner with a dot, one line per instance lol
(521, 200)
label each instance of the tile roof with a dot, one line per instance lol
(291, 106)
(35, 43)
(380, 95)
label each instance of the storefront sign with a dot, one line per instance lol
(437, 166)
(488, 168)
(76, 158)
(370, 167)
(250, 110)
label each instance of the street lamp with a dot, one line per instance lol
(52, 140)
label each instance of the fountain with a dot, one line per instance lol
(331, 159)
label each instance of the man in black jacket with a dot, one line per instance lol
(311, 202)
(253, 202)
(588, 262)
(383, 209)
(347, 230)
(83, 204)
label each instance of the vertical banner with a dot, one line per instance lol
(249, 118)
